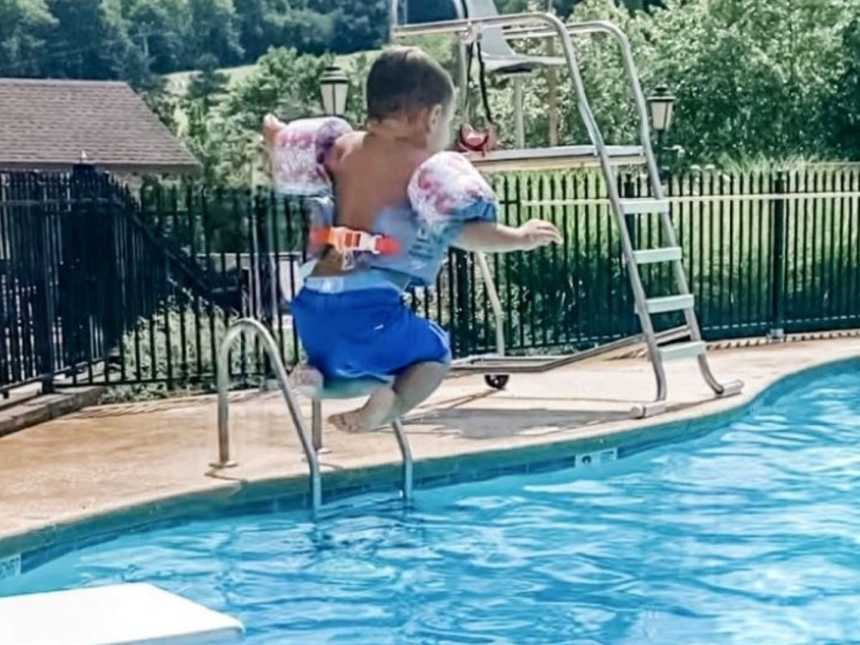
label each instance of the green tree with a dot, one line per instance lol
(202, 138)
(161, 101)
(134, 66)
(561, 7)
(842, 116)
(215, 30)
(284, 82)
(262, 24)
(357, 26)
(24, 27)
(205, 127)
(160, 28)
(751, 78)
(208, 84)
(306, 31)
(430, 10)
(90, 39)
(224, 137)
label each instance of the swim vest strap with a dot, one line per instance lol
(347, 240)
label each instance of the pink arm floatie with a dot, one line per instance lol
(298, 152)
(447, 191)
(445, 194)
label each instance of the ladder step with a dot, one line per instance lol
(652, 256)
(683, 350)
(669, 303)
(643, 206)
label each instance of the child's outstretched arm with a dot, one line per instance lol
(491, 237)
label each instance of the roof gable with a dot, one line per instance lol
(48, 123)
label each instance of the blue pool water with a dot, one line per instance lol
(750, 534)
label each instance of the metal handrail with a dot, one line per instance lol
(406, 452)
(310, 445)
(399, 433)
(271, 349)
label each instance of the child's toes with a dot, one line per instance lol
(346, 422)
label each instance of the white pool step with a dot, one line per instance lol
(670, 303)
(683, 350)
(111, 615)
(644, 206)
(653, 256)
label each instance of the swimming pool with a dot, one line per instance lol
(751, 533)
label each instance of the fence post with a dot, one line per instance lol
(628, 191)
(46, 314)
(264, 279)
(778, 211)
(460, 292)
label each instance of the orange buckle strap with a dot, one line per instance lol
(345, 240)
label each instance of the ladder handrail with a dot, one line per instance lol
(611, 188)
(271, 348)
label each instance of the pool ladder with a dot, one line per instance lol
(309, 446)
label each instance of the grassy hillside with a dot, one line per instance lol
(178, 81)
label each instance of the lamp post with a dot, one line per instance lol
(334, 90)
(660, 105)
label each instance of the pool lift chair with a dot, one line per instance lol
(311, 443)
(479, 23)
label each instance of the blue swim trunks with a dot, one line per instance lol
(368, 333)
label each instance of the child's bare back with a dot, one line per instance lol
(371, 172)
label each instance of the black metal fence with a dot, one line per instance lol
(91, 293)
(100, 285)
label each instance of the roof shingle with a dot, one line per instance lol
(48, 123)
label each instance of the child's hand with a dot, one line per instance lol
(537, 233)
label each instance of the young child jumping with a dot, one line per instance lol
(393, 189)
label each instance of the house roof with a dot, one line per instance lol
(47, 124)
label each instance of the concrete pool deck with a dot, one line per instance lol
(105, 459)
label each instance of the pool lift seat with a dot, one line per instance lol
(479, 19)
(499, 56)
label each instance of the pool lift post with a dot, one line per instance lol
(479, 21)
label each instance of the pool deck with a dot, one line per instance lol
(108, 458)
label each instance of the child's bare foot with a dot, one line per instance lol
(371, 415)
(307, 381)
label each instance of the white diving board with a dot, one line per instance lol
(112, 615)
(557, 158)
